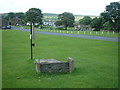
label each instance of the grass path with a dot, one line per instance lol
(96, 62)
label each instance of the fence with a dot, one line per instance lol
(97, 33)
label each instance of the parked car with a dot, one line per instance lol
(6, 27)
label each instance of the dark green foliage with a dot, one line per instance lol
(58, 23)
(112, 15)
(34, 15)
(107, 26)
(14, 18)
(20, 15)
(96, 23)
(109, 19)
(11, 15)
(85, 21)
(66, 19)
(4, 22)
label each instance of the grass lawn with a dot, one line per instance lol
(96, 61)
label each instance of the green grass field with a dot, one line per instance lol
(96, 61)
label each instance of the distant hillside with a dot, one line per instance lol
(53, 17)
(50, 14)
(54, 14)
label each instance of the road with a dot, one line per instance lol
(113, 39)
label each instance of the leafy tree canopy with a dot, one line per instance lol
(10, 15)
(20, 15)
(14, 18)
(34, 15)
(66, 19)
(96, 23)
(86, 20)
(112, 14)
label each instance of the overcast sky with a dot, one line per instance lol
(80, 7)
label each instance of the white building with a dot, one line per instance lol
(49, 23)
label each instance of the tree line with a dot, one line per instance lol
(108, 20)
(33, 15)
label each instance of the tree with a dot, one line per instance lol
(34, 15)
(96, 23)
(21, 17)
(85, 21)
(14, 18)
(58, 23)
(112, 14)
(66, 19)
(9, 17)
(107, 26)
(4, 21)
